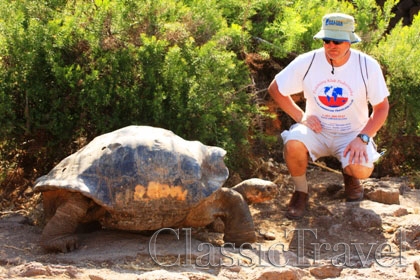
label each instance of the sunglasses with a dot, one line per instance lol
(334, 42)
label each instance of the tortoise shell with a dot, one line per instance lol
(141, 169)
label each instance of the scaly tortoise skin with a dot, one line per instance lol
(142, 178)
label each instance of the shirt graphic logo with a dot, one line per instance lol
(333, 97)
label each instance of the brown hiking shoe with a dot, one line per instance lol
(352, 188)
(297, 205)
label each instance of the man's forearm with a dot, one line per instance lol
(377, 119)
(285, 103)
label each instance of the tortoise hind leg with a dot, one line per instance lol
(59, 232)
(239, 226)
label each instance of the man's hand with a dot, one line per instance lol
(312, 122)
(357, 150)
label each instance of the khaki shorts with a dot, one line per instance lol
(328, 143)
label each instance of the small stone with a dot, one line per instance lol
(288, 273)
(385, 196)
(162, 274)
(95, 277)
(269, 236)
(31, 269)
(326, 271)
(417, 267)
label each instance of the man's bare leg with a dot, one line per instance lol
(296, 157)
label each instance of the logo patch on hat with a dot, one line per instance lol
(333, 22)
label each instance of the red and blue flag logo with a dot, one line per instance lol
(333, 97)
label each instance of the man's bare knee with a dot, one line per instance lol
(295, 146)
(358, 171)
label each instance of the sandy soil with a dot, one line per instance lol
(335, 239)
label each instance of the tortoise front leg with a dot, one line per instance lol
(239, 226)
(59, 232)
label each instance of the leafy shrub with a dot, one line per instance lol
(79, 69)
(399, 54)
(294, 26)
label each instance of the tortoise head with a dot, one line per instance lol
(256, 190)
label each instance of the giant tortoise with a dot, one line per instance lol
(142, 178)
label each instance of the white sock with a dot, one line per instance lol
(301, 184)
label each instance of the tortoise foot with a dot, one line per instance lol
(62, 244)
(217, 226)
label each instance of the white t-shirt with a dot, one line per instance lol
(339, 100)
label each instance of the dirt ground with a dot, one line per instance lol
(334, 240)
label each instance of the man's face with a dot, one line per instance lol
(336, 50)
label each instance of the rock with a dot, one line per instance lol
(385, 196)
(35, 269)
(417, 268)
(162, 275)
(326, 271)
(384, 210)
(95, 277)
(284, 273)
(382, 192)
(268, 235)
(408, 234)
(363, 218)
(31, 269)
(199, 276)
(15, 217)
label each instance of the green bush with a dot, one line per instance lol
(83, 68)
(293, 27)
(399, 54)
